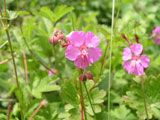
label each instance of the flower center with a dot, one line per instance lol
(83, 49)
(134, 57)
(84, 52)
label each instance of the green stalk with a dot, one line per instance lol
(82, 101)
(90, 100)
(144, 98)
(15, 70)
(13, 59)
(14, 63)
(110, 59)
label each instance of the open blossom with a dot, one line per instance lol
(156, 35)
(135, 61)
(83, 48)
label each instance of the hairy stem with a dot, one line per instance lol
(82, 100)
(110, 59)
(144, 98)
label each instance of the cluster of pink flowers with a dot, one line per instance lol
(82, 48)
(135, 62)
(156, 35)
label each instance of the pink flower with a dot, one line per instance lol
(135, 61)
(83, 48)
(156, 35)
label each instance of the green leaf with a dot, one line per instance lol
(60, 11)
(44, 85)
(6, 84)
(45, 12)
(3, 44)
(122, 113)
(134, 97)
(2, 116)
(69, 94)
(11, 14)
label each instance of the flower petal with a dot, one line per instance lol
(72, 52)
(145, 61)
(94, 54)
(137, 48)
(156, 30)
(139, 70)
(50, 73)
(127, 55)
(157, 40)
(91, 40)
(82, 62)
(76, 38)
(129, 66)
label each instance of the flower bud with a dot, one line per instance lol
(53, 40)
(90, 76)
(83, 77)
(61, 36)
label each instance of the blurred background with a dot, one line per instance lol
(35, 21)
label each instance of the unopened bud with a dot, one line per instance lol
(90, 76)
(53, 40)
(83, 77)
(61, 36)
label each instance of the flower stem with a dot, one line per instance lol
(144, 98)
(89, 100)
(82, 101)
(110, 59)
(15, 70)
(44, 102)
(9, 110)
(81, 111)
(25, 66)
(5, 26)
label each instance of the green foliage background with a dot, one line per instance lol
(32, 22)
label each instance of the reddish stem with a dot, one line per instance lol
(9, 110)
(136, 37)
(25, 65)
(81, 111)
(4, 61)
(124, 37)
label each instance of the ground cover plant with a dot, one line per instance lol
(79, 60)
